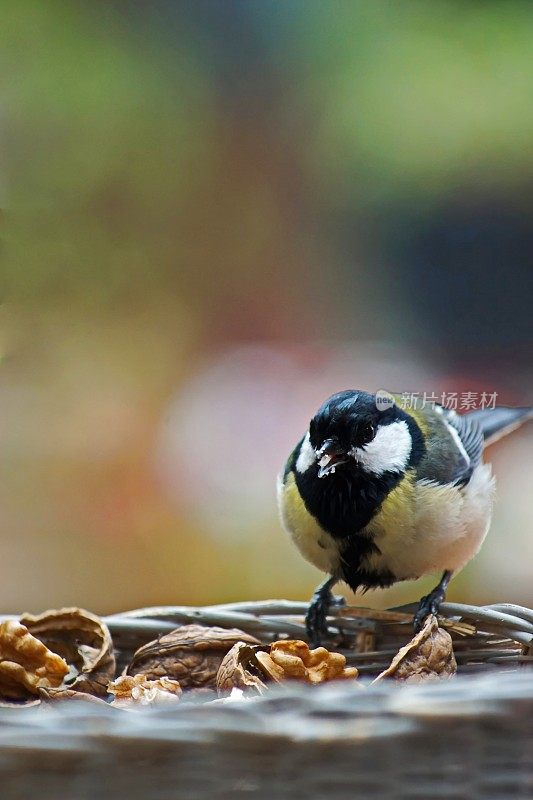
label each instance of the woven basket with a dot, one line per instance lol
(470, 737)
(487, 637)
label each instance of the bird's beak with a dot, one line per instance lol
(330, 455)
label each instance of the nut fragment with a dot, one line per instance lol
(269, 666)
(26, 664)
(83, 640)
(313, 666)
(241, 669)
(192, 655)
(135, 690)
(60, 695)
(252, 668)
(429, 655)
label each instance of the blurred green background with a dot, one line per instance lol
(214, 215)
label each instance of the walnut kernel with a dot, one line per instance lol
(26, 664)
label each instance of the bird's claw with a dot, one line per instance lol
(316, 618)
(428, 606)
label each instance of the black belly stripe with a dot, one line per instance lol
(343, 505)
(356, 550)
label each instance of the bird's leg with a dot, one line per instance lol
(315, 619)
(430, 604)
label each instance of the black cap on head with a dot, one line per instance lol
(349, 419)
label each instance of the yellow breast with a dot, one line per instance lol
(316, 546)
(424, 527)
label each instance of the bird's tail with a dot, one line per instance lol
(498, 422)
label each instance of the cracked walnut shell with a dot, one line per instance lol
(429, 655)
(83, 640)
(242, 669)
(26, 664)
(192, 655)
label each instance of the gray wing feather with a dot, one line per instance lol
(445, 463)
(450, 460)
(471, 435)
(497, 422)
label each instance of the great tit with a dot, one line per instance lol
(375, 493)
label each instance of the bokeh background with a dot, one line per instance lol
(214, 215)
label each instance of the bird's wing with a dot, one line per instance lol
(497, 422)
(454, 445)
(470, 434)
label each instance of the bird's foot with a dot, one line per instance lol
(430, 604)
(316, 617)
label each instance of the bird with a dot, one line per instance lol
(376, 492)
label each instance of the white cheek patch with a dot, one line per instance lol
(306, 456)
(388, 451)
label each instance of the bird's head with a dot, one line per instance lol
(353, 432)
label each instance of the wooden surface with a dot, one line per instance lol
(469, 737)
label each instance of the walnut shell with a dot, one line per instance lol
(243, 669)
(192, 655)
(60, 694)
(83, 640)
(26, 664)
(429, 655)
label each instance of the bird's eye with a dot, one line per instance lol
(367, 434)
